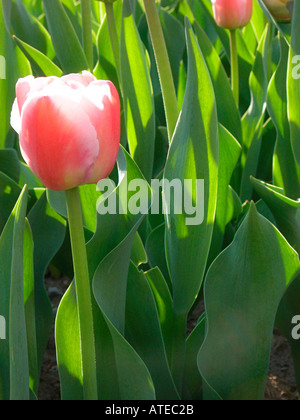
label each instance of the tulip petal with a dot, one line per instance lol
(85, 78)
(15, 117)
(101, 102)
(58, 141)
(29, 85)
(232, 14)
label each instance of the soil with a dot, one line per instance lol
(281, 383)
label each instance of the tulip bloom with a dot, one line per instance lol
(69, 128)
(279, 9)
(232, 14)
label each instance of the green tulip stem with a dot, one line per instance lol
(84, 295)
(87, 33)
(234, 67)
(163, 66)
(113, 34)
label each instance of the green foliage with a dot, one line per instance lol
(147, 271)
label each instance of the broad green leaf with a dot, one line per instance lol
(164, 306)
(284, 28)
(14, 371)
(252, 122)
(293, 84)
(48, 231)
(138, 254)
(19, 369)
(9, 193)
(27, 27)
(41, 64)
(117, 362)
(286, 173)
(137, 94)
(230, 151)
(29, 303)
(112, 272)
(106, 68)
(193, 155)
(155, 248)
(250, 39)
(258, 21)
(243, 289)
(18, 171)
(201, 17)
(246, 58)
(285, 210)
(234, 205)
(228, 114)
(192, 377)
(13, 65)
(110, 281)
(66, 43)
(145, 336)
(222, 34)
(172, 30)
(258, 86)
(287, 215)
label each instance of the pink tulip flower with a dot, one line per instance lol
(232, 14)
(279, 9)
(69, 128)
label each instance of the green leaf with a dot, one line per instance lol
(106, 68)
(192, 377)
(29, 303)
(120, 371)
(287, 215)
(155, 248)
(9, 193)
(11, 165)
(256, 268)
(13, 65)
(293, 84)
(284, 28)
(137, 94)
(40, 63)
(172, 30)
(28, 28)
(258, 21)
(66, 43)
(252, 122)
(138, 254)
(145, 336)
(19, 370)
(230, 151)
(286, 170)
(228, 114)
(193, 155)
(222, 34)
(14, 371)
(164, 306)
(48, 231)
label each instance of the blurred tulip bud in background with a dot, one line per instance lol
(69, 128)
(280, 9)
(232, 14)
(107, 1)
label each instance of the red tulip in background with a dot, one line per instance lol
(232, 14)
(69, 128)
(279, 9)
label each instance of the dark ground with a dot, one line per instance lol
(281, 381)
